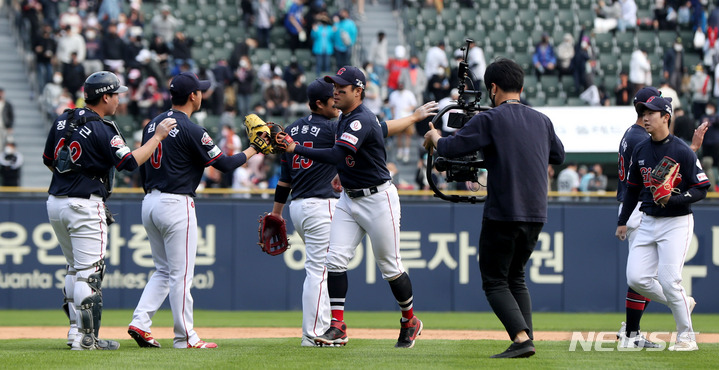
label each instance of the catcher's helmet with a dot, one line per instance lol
(102, 82)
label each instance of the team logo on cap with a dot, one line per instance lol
(206, 139)
(650, 99)
(341, 71)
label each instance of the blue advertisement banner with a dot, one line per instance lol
(577, 266)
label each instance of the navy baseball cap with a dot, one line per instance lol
(186, 83)
(320, 90)
(645, 93)
(656, 104)
(348, 75)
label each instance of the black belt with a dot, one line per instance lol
(367, 191)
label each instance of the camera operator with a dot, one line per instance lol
(517, 143)
(10, 162)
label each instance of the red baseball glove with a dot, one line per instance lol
(273, 234)
(664, 179)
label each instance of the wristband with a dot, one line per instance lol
(282, 193)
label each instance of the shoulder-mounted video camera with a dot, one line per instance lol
(465, 168)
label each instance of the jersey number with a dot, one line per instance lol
(304, 163)
(156, 157)
(622, 172)
(75, 149)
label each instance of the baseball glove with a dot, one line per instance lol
(279, 139)
(273, 234)
(664, 179)
(258, 133)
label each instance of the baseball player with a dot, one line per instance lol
(656, 252)
(313, 204)
(636, 303)
(81, 150)
(369, 204)
(168, 212)
(518, 143)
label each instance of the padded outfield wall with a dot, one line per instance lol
(578, 264)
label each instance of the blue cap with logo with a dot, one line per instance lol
(186, 83)
(320, 90)
(348, 75)
(645, 93)
(656, 104)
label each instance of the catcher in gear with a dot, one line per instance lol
(658, 245)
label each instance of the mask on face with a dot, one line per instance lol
(57, 79)
(678, 47)
(244, 64)
(709, 111)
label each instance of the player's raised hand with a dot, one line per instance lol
(621, 232)
(164, 128)
(698, 137)
(427, 110)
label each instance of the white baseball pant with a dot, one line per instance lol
(655, 262)
(171, 225)
(312, 218)
(377, 215)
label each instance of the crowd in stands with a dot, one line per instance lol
(73, 39)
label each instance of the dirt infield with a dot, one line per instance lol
(59, 332)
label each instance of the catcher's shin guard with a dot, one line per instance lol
(90, 309)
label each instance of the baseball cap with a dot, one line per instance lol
(320, 90)
(645, 93)
(348, 75)
(656, 104)
(186, 83)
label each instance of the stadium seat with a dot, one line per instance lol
(456, 39)
(576, 102)
(508, 19)
(546, 19)
(666, 38)
(585, 17)
(543, 4)
(530, 82)
(550, 86)
(527, 18)
(647, 40)
(625, 41)
(306, 59)
(604, 43)
(564, 4)
(520, 41)
(488, 19)
(498, 42)
(565, 20)
(503, 4)
(536, 101)
(429, 17)
(469, 23)
(523, 4)
(691, 60)
(435, 36)
(282, 56)
(555, 102)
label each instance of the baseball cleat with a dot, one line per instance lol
(637, 341)
(690, 345)
(622, 331)
(202, 344)
(96, 344)
(409, 332)
(518, 350)
(143, 338)
(71, 334)
(335, 335)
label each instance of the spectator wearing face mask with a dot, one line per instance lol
(414, 79)
(10, 162)
(674, 69)
(544, 59)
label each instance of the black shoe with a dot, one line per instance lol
(517, 350)
(336, 335)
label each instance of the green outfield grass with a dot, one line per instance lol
(359, 353)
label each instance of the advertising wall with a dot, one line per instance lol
(578, 264)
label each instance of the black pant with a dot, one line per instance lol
(504, 249)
